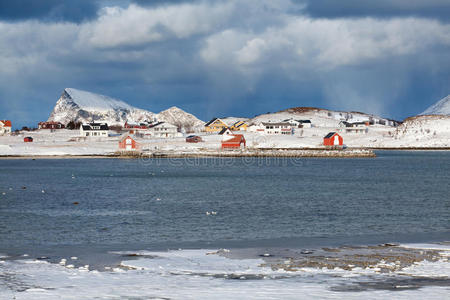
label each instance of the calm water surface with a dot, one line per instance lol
(281, 202)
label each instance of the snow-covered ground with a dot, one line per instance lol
(423, 131)
(202, 274)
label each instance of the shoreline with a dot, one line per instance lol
(278, 153)
(262, 152)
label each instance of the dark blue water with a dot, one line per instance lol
(163, 202)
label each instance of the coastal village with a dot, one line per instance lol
(297, 129)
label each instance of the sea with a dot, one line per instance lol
(226, 228)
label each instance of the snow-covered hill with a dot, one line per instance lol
(320, 117)
(82, 106)
(180, 118)
(423, 131)
(442, 107)
(231, 120)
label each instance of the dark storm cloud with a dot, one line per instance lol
(439, 9)
(48, 10)
(226, 57)
(160, 2)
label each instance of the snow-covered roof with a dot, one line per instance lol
(276, 124)
(225, 129)
(5, 123)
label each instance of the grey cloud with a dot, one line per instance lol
(439, 9)
(242, 60)
(48, 10)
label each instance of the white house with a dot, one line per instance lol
(5, 127)
(298, 123)
(163, 129)
(278, 128)
(94, 130)
(305, 123)
(355, 127)
(256, 128)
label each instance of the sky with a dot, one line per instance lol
(225, 57)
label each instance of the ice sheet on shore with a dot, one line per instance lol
(202, 274)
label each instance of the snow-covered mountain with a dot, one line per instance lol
(442, 107)
(82, 106)
(180, 118)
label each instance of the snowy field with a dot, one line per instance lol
(418, 132)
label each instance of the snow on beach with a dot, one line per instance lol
(209, 274)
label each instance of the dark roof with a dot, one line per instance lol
(156, 124)
(224, 130)
(348, 124)
(240, 123)
(103, 126)
(300, 121)
(329, 135)
(210, 122)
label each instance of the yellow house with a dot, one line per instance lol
(215, 125)
(239, 125)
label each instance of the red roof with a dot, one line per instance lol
(237, 138)
(7, 123)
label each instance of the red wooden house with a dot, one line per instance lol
(28, 139)
(236, 141)
(127, 143)
(50, 125)
(193, 139)
(333, 139)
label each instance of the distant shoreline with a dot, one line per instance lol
(264, 152)
(279, 153)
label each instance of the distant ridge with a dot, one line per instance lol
(321, 117)
(442, 107)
